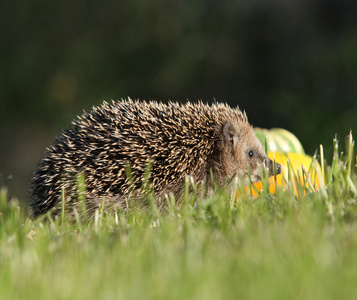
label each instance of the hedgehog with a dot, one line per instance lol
(122, 145)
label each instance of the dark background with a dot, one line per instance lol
(289, 64)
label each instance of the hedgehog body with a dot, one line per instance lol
(115, 144)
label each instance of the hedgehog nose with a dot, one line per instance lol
(277, 168)
(271, 167)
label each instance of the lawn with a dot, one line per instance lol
(224, 247)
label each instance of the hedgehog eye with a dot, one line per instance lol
(250, 153)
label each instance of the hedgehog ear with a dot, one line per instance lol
(230, 134)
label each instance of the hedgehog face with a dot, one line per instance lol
(246, 153)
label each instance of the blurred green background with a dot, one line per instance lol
(289, 64)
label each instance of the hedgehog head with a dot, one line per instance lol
(243, 153)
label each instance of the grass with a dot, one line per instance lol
(270, 247)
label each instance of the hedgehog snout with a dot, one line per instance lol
(277, 168)
(268, 163)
